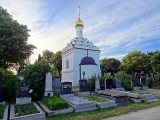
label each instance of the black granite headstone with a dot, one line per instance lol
(1, 96)
(66, 87)
(118, 83)
(82, 85)
(143, 81)
(109, 83)
(23, 89)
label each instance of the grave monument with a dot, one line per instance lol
(83, 88)
(79, 104)
(119, 85)
(109, 83)
(48, 85)
(23, 96)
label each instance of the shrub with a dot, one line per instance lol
(9, 84)
(125, 80)
(149, 81)
(35, 75)
(1, 111)
(91, 83)
(54, 102)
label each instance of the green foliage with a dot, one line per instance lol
(13, 40)
(91, 83)
(54, 103)
(56, 61)
(46, 56)
(109, 65)
(9, 84)
(35, 75)
(26, 109)
(135, 62)
(125, 79)
(155, 62)
(148, 81)
(1, 111)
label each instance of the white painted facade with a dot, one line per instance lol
(72, 55)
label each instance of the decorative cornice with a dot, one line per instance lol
(80, 43)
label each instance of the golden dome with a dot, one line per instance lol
(78, 23)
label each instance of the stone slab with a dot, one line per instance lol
(54, 112)
(37, 116)
(110, 103)
(79, 104)
(3, 103)
(120, 89)
(129, 94)
(136, 88)
(20, 101)
(84, 93)
(135, 100)
(111, 93)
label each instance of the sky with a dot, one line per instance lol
(117, 27)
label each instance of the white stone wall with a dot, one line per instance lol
(75, 56)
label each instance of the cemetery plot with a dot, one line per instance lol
(102, 102)
(120, 98)
(79, 104)
(26, 112)
(54, 105)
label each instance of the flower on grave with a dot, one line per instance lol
(20, 97)
(30, 91)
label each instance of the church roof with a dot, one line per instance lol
(80, 43)
(87, 61)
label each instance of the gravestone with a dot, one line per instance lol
(56, 85)
(152, 76)
(136, 84)
(97, 84)
(119, 85)
(82, 85)
(83, 88)
(66, 87)
(143, 80)
(23, 89)
(1, 96)
(108, 83)
(23, 96)
(48, 85)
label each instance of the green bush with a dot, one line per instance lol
(1, 111)
(91, 83)
(9, 84)
(54, 103)
(125, 80)
(149, 81)
(35, 75)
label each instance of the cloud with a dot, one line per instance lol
(116, 27)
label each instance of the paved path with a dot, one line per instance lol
(147, 114)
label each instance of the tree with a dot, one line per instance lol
(135, 61)
(35, 75)
(47, 55)
(56, 61)
(13, 40)
(9, 84)
(155, 62)
(109, 65)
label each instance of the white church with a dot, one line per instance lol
(80, 58)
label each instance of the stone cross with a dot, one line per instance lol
(79, 11)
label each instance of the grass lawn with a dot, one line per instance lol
(105, 113)
(26, 109)
(1, 111)
(94, 98)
